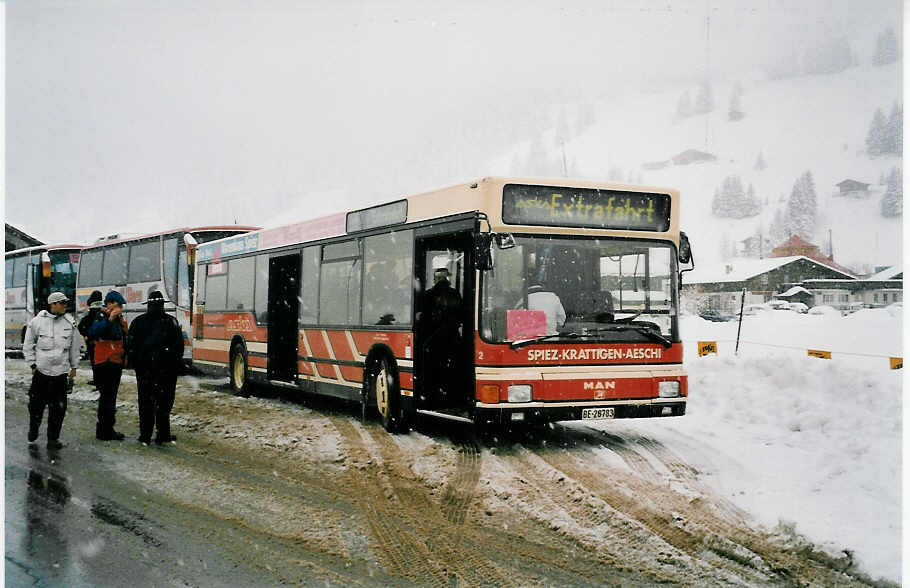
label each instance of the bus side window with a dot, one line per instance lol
(309, 290)
(113, 270)
(170, 268)
(241, 276)
(388, 261)
(145, 265)
(261, 296)
(216, 287)
(200, 283)
(9, 271)
(183, 280)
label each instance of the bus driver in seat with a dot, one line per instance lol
(549, 302)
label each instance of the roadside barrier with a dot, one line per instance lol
(709, 347)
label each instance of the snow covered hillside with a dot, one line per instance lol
(806, 444)
(811, 123)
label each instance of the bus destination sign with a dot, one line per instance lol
(585, 207)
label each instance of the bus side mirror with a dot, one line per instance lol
(685, 250)
(191, 245)
(483, 251)
(505, 240)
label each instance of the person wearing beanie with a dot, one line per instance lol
(94, 311)
(109, 333)
(51, 349)
(154, 347)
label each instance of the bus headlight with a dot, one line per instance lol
(668, 389)
(520, 393)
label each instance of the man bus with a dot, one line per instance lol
(342, 305)
(139, 265)
(32, 274)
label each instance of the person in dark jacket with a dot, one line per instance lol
(438, 328)
(155, 350)
(109, 332)
(94, 311)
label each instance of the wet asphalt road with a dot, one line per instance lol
(71, 520)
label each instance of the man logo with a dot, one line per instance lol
(600, 387)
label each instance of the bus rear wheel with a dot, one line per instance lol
(240, 371)
(385, 389)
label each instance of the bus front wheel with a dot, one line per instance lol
(240, 371)
(385, 389)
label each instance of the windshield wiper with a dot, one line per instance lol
(643, 329)
(526, 342)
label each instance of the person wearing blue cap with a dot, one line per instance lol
(108, 332)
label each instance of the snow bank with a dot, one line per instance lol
(795, 439)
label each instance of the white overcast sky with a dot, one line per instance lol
(138, 116)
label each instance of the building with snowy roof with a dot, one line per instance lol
(720, 286)
(794, 279)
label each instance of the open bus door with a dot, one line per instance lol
(444, 322)
(283, 308)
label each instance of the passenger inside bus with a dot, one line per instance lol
(439, 329)
(549, 302)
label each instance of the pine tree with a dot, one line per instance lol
(892, 203)
(779, 229)
(751, 204)
(684, 106)
(893, 142)
(736, 109)
(760, 164)
(886, 48)
(875, 138)
(802, 208)
(704, 100)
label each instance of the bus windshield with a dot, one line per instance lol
(64, 266)
(581, 289)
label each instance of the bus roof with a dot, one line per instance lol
(483, 194)
(128, 239)
(44, 248)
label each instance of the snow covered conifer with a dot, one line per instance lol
(875, 138)
(736, 110)
(886, 48)
(704, 100)
(894, 135)
(893, 200)
(802, 208)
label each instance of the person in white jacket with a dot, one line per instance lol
(549, 302)
(51, 348)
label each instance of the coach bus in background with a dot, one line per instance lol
(342, 305)
(32, 274)
(136, 266)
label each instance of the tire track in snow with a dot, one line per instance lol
(443, 537)
(396, 546)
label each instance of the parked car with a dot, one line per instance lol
(799, 307)
(715, 316)
(823, 310)
(775, 304)
(755, 309)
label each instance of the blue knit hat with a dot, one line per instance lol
(114, 296)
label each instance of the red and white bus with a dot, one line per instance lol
(32, 274)
(135, 266)
(341, 306)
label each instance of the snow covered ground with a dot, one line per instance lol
(809, 444)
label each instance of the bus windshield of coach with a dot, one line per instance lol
(64, 266)
(567, 288)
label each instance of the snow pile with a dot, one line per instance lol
(796, 440)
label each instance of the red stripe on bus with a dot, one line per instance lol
(351, 373)
(255, 361)
(210, 355)
(595, 388)
(340, 345)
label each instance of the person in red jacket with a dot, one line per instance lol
(108, 332)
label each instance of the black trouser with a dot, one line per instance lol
(49, 391)
(107, 380)
(156, 399)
